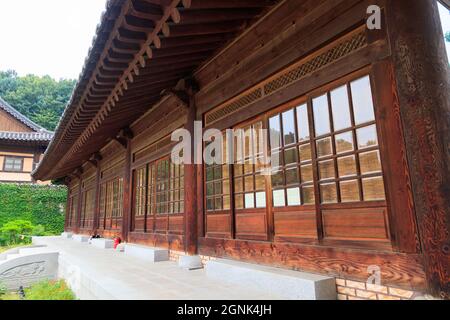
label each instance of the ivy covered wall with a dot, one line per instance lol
(42, 205)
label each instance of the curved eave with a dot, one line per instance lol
(142, 47)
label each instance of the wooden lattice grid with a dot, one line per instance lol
(340, 48)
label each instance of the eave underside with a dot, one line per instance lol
(142, 48)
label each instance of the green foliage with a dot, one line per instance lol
(42, 99)
(44, 290)
(3, 289)
(16, 231)
(42, 206)
(49, 290)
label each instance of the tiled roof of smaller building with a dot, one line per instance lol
(40, 134)
(16, 114)
(44, 136)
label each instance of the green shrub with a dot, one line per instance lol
(17, 231)
(3, 289)
(49, 290)
(41, 205)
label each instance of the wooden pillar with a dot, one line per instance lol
(80, 202)
(97, 199)
(127, 193)
(422, 75)
(190, 187)
(66, 220)
(200, 191)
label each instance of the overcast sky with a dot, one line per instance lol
(53, 36)
(47, 36)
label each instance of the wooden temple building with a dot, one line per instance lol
(22, 145)
(363, 113)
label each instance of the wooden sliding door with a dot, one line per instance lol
(326, 182)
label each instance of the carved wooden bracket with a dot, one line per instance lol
(184, 90)
(95, 159)
(122, 141)
(67, 180)
(124, 136)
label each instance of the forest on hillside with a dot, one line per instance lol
(42, 99)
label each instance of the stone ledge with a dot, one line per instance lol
(80, 238)
(284, 283)
(146, 253)
(67, 235)
(103, 243)
(190, 262)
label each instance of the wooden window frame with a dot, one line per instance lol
(140, 222)
(111, 206)
(317, 206)
(14, 158)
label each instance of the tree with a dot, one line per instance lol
(42, 99)
(13, 231)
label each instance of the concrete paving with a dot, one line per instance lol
(96, 273)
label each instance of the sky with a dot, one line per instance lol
(47, 36)
(445, 21)
(52, 37)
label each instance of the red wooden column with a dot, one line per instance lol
(190, 181)
(126, 135)
(97, 198)
(80, 202)
(422, 75)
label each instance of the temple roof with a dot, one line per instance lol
(20, 117)
(142, 47)
(40, 134)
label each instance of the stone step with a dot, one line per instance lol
(80, 238)
(67, 235)
(103, 243)
(285, 283)
(149, 254)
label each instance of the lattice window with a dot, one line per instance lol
(249, 181)
(292, 180)
(140, 180)
(348, 155)
(218, 187)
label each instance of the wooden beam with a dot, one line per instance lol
(423, 86)
(127, 191)
(222, 4)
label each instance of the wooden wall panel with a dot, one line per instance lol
(251, 225)
(176, 224)
(291, 224)
(356, 224)
(308, 27)
(172, 242)
(400, 270)
(218, 225)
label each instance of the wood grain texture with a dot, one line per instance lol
(397, 269)
(423, 82)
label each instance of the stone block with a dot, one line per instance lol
(67, 235)
(149, 254)
(103, 243)
(286, 284)
(80, 238)
(190, 262)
